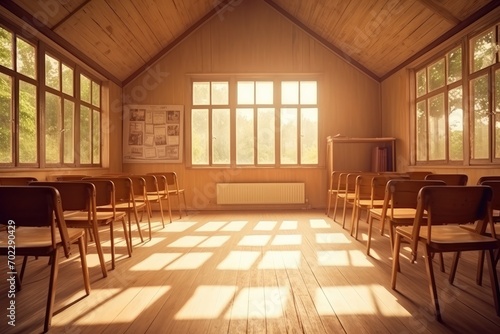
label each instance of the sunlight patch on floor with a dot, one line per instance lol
(344, 258)
(287, 239)
(239, 260)
(190, 261)
(332, 238)
(211, 226)
(280, 260)
(215, 241)
(289, 225)
(254, 240)
(157, 261)
(235, 226)
(207, 302)
(178, 226)
(319, 223)
(265, 225)
(188, 241)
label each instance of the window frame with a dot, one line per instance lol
(232, 80)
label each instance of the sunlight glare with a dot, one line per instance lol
(239, 260)
(235, 226)
(215, 241)
(211, 227)
(207, 302)
(287, 239)
(265, 225)
(319, 223)
(344, 258)
(332, 238)
(280, 260)
(190, 261)
(289, 225)
(188, 241)
(156, 261)
(254, 240)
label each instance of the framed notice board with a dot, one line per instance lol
(153, 133)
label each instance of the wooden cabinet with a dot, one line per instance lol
(350, 153)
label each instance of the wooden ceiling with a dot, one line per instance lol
(122, 37)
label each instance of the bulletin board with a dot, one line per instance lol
(153, 133)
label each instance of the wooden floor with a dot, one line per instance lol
(252, 272)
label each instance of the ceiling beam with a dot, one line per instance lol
(217, 8)
(450, 33)
(322, 40)
(47, 32)
(447, 15)
(77, 9)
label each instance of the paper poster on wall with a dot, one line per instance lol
(153, 133)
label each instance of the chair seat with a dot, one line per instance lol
(450, 238)
(367, 203)
(349, 196)
(102, 217)
(27, 237)
(397, 213)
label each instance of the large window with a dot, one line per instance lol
(44, 120)
(242, 122)
(456, 105)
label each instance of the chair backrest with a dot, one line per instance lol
(488, 178)
(138, 185)
(403, 193)
(16, 180)
(363, 187)
(122, 187)
(75, 195)
(418, 175)
(495, 187)
(34, 207)
(68, 177)
(379, 184)
(449, 179)
(438, 205)
(151, 183)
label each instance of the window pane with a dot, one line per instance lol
(289, 151)
(456, 124)
(220, 93)
(264, 92)
(308, 92)
(199, 136)
(201, 93)
(290, 92)
(52, 128)
(266, 136)
(484, 49)
(437, 128)
(245, 91)
(69, 132)
(436, 75)
(96, 94)
(96, 137)
(309, 136)
(244, 136)
(26, 58)
(221, 131)
(421, 122)
(455, 65)
(421, 83)
(85, 135)
(84, 88)
(52, 72)
(67, 80)
(5, 117)
(28, 133)
(6, 47)
(480, 140)
(497, 114)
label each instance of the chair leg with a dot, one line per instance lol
(85, 269)
(127, 240)
(494, 280)
(185, 205)
(161, 212)
(169, 208)
(100, 253)
(454, 266)
(395, 261)
(112, 241)
(54, 268)
(369, 241)
(335, 207)
(432, 283)
(329, 203)
(138, 226)
(480, 266)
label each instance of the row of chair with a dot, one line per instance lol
(401, 201)
(71, 205)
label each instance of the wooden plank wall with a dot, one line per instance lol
(251, 37)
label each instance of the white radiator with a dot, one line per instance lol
(260, 193)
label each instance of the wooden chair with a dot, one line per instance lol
(124, 201)
(488, 178)
(449, 179)
(16, 180)
(174, 189)
(40, 230)
(440, 210)
(79, 210)
(369, 194)
(400, 204)
(152, 196)
(345, 192)
(332, 189)
(140, 197)
(163, 191)
(495, 207)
